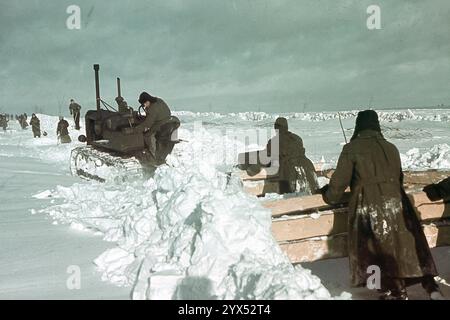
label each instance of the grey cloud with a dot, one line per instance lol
(227, 55)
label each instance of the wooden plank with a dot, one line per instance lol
(437, 235)
(420, 178)
(433, 211)
(299, 224)
(328, 222)
(428, 210)
(425, 208)
(423, 178)
(316, 249)
(313, 249)
(308, 226)
(269, 183)
(295, 205)
(410, 178)
(418, 198)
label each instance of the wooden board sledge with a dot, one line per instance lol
(308, 229)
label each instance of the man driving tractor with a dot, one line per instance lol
(157, 126)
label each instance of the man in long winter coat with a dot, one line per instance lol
(383, 229)
(35, 126)
(75, 110)
(23, 121)
(296, 171)
(3, 122)
(285, 156)
(62, 132)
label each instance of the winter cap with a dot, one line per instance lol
(366, 120)
(281, 124)
(144, 96)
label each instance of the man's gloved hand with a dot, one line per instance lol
(432, 191)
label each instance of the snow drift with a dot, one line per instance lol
(437, 157)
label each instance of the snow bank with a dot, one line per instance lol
(190, 232)
(436, 157)
(384, 116)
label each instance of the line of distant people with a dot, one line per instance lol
(62, 130)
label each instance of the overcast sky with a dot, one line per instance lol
(226, 55)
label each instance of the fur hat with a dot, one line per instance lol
(281, 124)
(366, 120)
(144, 96)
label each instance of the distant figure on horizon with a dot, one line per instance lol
(4, 121)
(75, 110)
(23, 121)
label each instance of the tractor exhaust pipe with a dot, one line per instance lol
(118, 88)
(97, 90)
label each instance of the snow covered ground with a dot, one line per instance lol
(188, 232)
(35, 254)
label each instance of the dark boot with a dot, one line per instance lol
(388, 295)
(394, 289)
(432, 288)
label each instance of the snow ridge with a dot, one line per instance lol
(384, 116)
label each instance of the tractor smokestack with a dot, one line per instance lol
(97, 89)
(118, 88)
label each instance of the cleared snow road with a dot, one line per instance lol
(34, 253)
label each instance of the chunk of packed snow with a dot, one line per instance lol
(437, 157)
(43, 195)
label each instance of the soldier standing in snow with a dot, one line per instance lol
(35, 126)
(62, 132)
(75, 110)
(438, 191)
(3, 121)
(23, 121)
(383, 229)
(296, 173)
